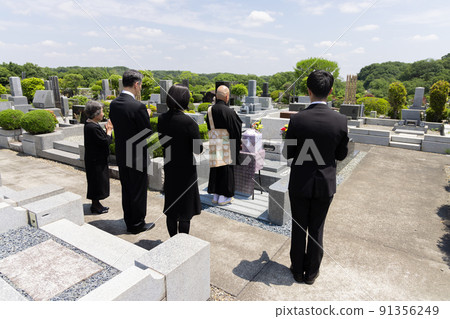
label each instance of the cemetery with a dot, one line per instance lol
(46, 218)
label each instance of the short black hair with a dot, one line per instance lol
(130, 77)
(320, 83)
(178, 95)
(92, 109)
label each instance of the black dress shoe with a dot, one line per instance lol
(297, 276)
(309, 280)
(99, 210)
(141, 229)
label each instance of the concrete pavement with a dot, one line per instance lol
(387, 235)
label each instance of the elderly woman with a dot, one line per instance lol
(182, 198)
(96, 144)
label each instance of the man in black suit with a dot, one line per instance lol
(131, 126)
(315, 139)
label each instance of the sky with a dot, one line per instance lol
(259, 37)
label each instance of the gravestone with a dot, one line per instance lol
(47, 85)
(120, 86)
(265, 90)
(15, 86)
(351, 110)
(252, 102)
(165, 86)
(4, 96)
(64, 106)
(155, 99)
(105, 89)
(56, 93)
(78, 113)
(418, 98)
(43, 99)
(411, 117)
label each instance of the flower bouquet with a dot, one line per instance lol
(284, 131)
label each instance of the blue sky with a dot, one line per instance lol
(247, 37)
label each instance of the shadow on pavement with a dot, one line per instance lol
(444, 242)
(276, 274)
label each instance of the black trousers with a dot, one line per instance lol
(134, 196)
(221, 180)
(308, 221)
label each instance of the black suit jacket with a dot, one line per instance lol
(323, 135)
(129, 118)
(96, 143)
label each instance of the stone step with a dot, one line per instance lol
(407, 138)
(16, 146)
(274, 166)
(111, 249)
(67, 146)
(63, 157)
(413, 132)
(409, 146)
(48, 210)
(33, 194)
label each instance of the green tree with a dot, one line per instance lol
(30, 86)
(239, 89)
(2, 89)
(70, 83)
(438, 97)
(397, 98)
(379, 88)
(305, 67)
(4, 75)
(148, 83)
(114, 80)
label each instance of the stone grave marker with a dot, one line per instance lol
(56, 93)
(15, 86)
(43, 99)
(418, 98)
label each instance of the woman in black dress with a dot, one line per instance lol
(96, 145)
(182, 198)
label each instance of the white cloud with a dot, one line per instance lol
(180, 47)
(55, 54)
(327, 44)
(359, 50)
(430, 37)
(99, 50)
(318, 9)
(169, 58)
(376, 39)
(49, 43)
(257, 18)
(91, 34)
(298, 48)
(274, 58)
(368, 27)
(139, 32)
(231, 41)
(353, 7)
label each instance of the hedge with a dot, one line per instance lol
(10, 119)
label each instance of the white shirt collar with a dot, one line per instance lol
(129, 93)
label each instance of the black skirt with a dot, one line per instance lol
(97, 175)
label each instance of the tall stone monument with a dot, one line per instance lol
(20, 102)
(350, 89)
(165, 86)
(105, 89)
(418, 98)
(56, 92)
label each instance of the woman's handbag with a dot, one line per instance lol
(219, 144)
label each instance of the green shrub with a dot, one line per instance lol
(153, 141)
(112, 146)
(38, 122)
(203, 128)
(397, 98)
(82, 100)
(374, 104)
(10, 119)
(189, 111)
(191, 107)
(438, 97)
(110, 97)
(154, 124)
(30, 86)
(3, 90)
(197, 97)
(203, 107)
